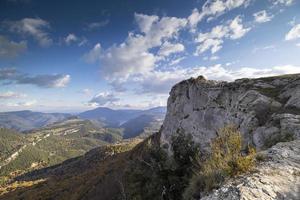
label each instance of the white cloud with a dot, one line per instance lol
(133, 56)
(176, 61)
(262, 16)
(11, 49)
(237, 28)
(34, 27)
(168, 48)
(70, 38)
(213, 40)
(93, 55)
(298, 44)
(214, 8)
(269, 47)
(97, 25)
(214, 58)
(103, 99)
(283, 2)
(22, 104)
(46, 81)
(162, 81)
(11, 95)
(12, 76)
(294, 33)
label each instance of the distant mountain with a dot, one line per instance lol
(156, 111)
(27, 120)
(112, 118)
(135, 126)
(115, 118)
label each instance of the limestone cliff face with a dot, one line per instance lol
(264, 109)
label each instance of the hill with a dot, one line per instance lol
(50, 145)
(139, 125)
(115, 118)
(27, 120)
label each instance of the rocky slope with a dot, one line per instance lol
(265, 110)
(278, 177)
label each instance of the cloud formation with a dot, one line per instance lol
(214, 39)
(22, 104)
(133, 56)
(94, 55)
(97, 25)
(103, 99)
(12, 76)
(11, 95)
(283, 2)
(213, 8)
(71, 38)
(168, 48)
(294, 33)
(160, 82)
(34, 27)
(262, 16)
(11, 49)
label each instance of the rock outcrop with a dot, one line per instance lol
(265, 110)
(278, 177)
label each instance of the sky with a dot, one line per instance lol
(71, 56)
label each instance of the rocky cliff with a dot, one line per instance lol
(265, 110)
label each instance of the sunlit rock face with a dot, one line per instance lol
(263, 109)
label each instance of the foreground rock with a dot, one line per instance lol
(266, 110)
(276, 178)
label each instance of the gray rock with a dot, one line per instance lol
(261, 108)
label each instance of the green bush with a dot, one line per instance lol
(225, 160)
(156, 175)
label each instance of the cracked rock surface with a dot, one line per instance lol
(276, 178)
(265, 110)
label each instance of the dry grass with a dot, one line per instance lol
(225, 160)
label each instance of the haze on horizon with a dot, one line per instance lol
(65, 56)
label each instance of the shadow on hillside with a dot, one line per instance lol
(84, 177)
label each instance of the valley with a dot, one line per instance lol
(54, 143)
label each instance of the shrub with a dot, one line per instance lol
(156, 175)
(225, 160)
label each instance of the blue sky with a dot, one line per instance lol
(70, 56)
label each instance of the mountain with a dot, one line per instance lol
(134, 127)
(146, 123)
(27, 120)
(112, 118)
(115, 118)
(219, 140)
(133, 122)
(50, 145)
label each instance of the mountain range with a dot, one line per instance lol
(27, 120)
(103, 117)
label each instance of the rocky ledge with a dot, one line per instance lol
(278, 177)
